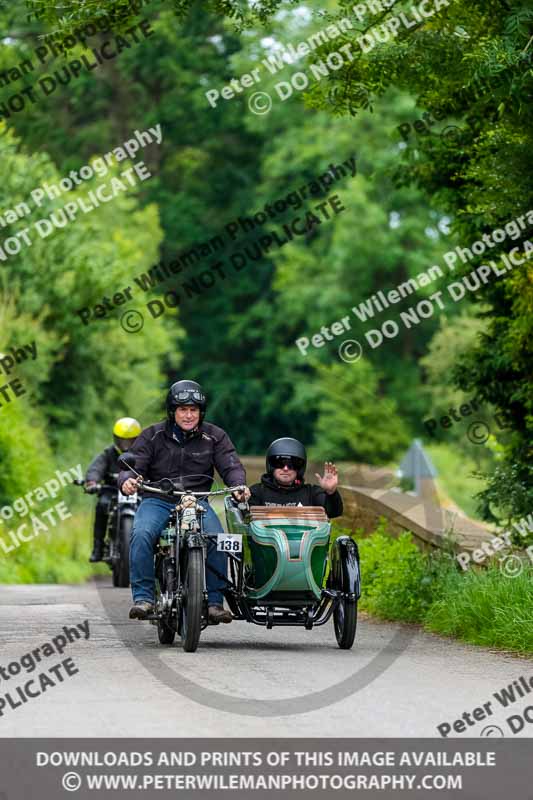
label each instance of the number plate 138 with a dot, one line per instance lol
(229, 543)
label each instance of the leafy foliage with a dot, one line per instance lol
(471, 61)
(393, 575)
(483, 181)
(482, 607)
(354, 421)
(75, 388)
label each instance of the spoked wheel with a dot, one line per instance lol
(191, 605)
(166, 633)
(121, 569)
(166, 627)
(345, 622)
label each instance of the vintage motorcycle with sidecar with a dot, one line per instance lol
(282, 569)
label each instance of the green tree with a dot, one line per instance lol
(473, 63)
(356, 421)
(84, 374)
(449, 344)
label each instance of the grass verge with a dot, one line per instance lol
(482, 607)
(59, 555)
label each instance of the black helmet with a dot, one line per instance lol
(185, 393)
(290, 448)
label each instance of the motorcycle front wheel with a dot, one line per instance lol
(121, 569)
(166, 633)
(192, 600)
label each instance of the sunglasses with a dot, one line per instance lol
(287, 461)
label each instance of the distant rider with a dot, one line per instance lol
(283, 483)
(105, 469)
(185, 447)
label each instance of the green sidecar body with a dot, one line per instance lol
(289, 573)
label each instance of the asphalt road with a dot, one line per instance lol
(396, 682)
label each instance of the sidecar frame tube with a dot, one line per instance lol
(321, 613)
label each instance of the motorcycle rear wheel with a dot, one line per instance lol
(192, 601)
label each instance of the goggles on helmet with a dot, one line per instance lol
(189, 397)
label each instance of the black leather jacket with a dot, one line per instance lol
(105, 467)
(161, 455)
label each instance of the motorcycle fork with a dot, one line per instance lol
(196, 540)
(169, 572)
(111, 534)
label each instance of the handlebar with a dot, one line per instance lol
(147, 487)
(98, 487)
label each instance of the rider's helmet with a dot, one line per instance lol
(185, 393)
(281, 450)
(125, 431)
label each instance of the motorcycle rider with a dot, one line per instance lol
(104, 469)
(283, 482)
(182, 446)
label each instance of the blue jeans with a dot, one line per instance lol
(150, 519)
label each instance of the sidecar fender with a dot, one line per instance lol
(345, 574)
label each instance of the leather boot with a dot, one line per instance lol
(141, 609)
(217, 613)
(98, 550)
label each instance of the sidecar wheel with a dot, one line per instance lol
(345, 623)
(191, 608)
(165, 632)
